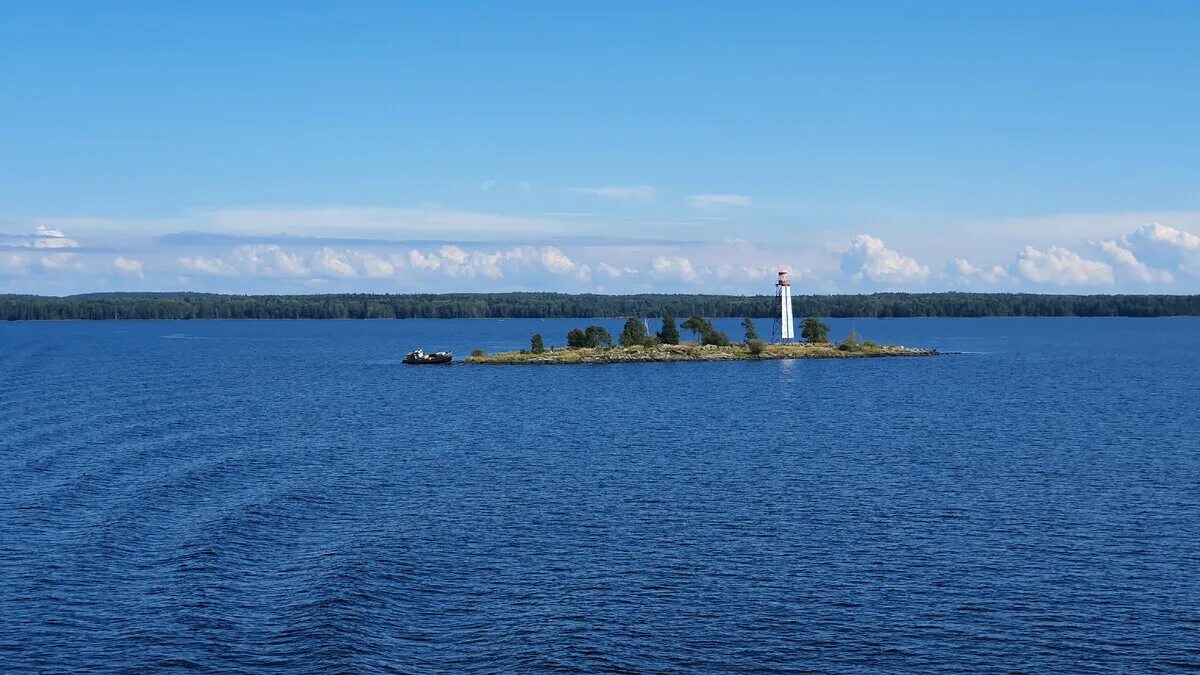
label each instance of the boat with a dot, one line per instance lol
(418, 357)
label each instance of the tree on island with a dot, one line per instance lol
(703, 329)
(696, 325)
(591, 337)
(634, 333)
(577, 339)
(598, 337)
(536, 344)
(751, 331)
(669, 335)
(814, 330)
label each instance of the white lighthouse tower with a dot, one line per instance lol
(784, 292)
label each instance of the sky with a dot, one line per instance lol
(304, 147)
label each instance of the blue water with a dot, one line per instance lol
(249, 496)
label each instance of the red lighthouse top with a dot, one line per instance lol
(783, 280)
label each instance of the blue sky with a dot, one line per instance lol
(311, 147)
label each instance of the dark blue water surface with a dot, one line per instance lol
(248, 496)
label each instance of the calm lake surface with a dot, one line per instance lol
(248, 496)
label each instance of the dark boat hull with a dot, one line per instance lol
(432, 359)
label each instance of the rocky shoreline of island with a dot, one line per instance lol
(693, 352)
(636, 345)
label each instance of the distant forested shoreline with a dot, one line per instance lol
(101, 306)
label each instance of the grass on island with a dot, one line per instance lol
(696, 352)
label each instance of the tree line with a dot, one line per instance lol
(562, 305)
(635, 333)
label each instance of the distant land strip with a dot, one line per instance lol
(108, 306)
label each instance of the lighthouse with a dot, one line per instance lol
(784, 292)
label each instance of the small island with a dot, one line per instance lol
(636, 345)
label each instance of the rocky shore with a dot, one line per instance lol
(695, 352)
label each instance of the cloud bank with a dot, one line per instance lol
(48, 258)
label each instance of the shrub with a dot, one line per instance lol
(478, 352)
(756, 346)
(712, 336)
(536, 344)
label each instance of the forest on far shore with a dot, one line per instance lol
(97, 306)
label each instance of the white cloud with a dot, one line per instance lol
(423, 262)
(613, 272)
(965, 274)
(53, 262)
(42, 237)
(252, 260)
(43, 231)
(868, 258)
(129, 266)
(1062, 267)
(1130, 266)
(712, 200)
(458, 263)
(555, 260)
(727, 271)
(1165, 248)
(453, 254)
(374, 266)
(1168, 235)
(328, 263)
(487, 185)
(213, 266)
(618, 191)
(673, 268)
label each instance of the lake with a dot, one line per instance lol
(250, 496)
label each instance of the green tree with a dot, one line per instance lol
(751, 331)
(577, 339)
(536, 344)
(634, 332)
(669, 335)
(703, 329)
(756, 346)
(598, 337)
(697, 325)
(814, 330)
